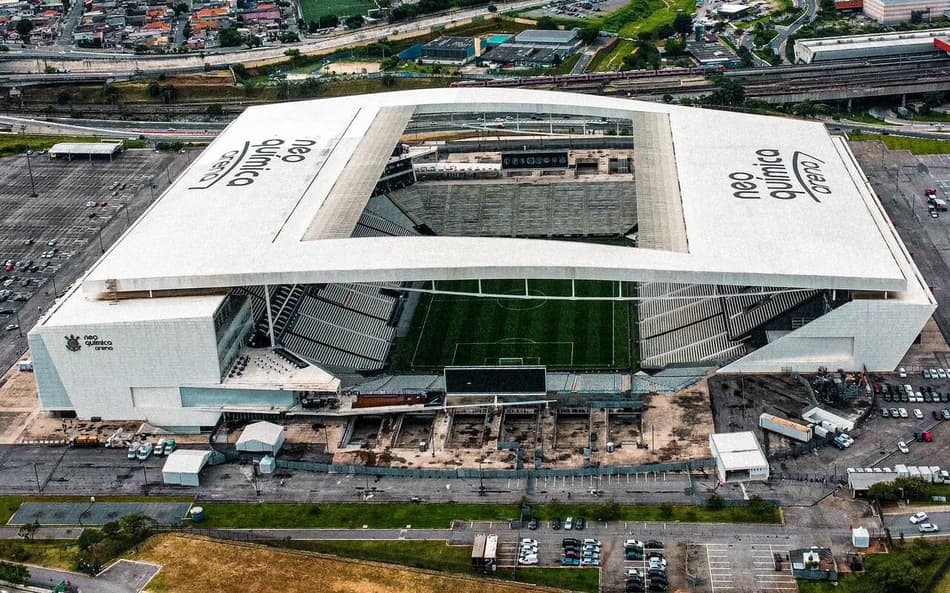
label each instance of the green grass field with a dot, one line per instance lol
(314, 9)
(562, 334)
(914, 145)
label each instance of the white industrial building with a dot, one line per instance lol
(869, 46)
(894, 12)
(739, 458)
(275, 264)
(261, 437)
(183, 466)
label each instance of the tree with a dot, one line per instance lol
(729, 91)
(28, 530)
(666, 510)
(293, 54)
(556, 60)
(675, 47)
(23, 27)
(492, 8)
(14, 573)
(289, 37)
(683, 24)
(354, 22)
(547, 23)
(229, 37)
(589, 34)
(609, 511)
(328, 21)
(388, 80)
(214, 110)
(168, 93)
(180, 8)
(390, 63)
(715, 502)
(252, 41)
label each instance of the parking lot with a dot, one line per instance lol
(738, 567)
(48, 240)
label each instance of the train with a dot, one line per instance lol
(571, 79)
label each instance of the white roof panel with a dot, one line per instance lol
(262, 432)
(100, 148)
(186, 461)
(766, 201)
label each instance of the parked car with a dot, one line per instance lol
(145, 451)
(945, 413)
(569, 523)
(928, 528)
(580, 523)
(902, 412)
(556, 524)
(920, 517)
(653, 544)
(918, 414)
(169, 446)
(133, 450)
(902, 447)
(533, 524)
(632, 543)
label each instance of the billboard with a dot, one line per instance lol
(525, 380)
(534, 160)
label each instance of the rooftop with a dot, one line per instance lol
(186, 461)
(752, 200)
(452, 42)
(545, 36)
(85, 148)
(738, 450)
(875, 40)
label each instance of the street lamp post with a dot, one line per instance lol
(19, 329)
(29, 167)
(101, 248)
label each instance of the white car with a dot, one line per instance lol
(918, 414)
(925, 373)
(902, 412)
(528, 560)
(902, 373)
(918, 517)
(942, 373)
(928, 528)
(568, 523)
(902, 447)
(632, 543)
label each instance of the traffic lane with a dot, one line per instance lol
(48, 578)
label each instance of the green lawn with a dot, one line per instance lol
(565, 334)
(440, 516)
(13, 144)
(574, 579)
(607, 61)
(55, 554)
(658, 15)
(864, 117)
(935, 116)
(914, 145)
(314, 9)
(907, 567)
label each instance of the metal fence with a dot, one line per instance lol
(465, 473)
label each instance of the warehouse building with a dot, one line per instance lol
(895, 12)
(739, 458)
(536, 48)
(915, 43)
(449, 50)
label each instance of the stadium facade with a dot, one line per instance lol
(746, 242)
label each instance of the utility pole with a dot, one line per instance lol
(101, 248)
(36, 475)
(29, 167)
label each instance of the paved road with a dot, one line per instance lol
(50, 577)
(899, 523)
(780, 40)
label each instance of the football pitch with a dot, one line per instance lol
(449, 330)
(314, 9)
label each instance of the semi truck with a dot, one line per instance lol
(784, 427)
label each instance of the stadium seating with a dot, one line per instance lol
(347, 325)
(519, 209)
(700, 326)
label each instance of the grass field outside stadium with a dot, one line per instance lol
(449, 330)
(314, 9)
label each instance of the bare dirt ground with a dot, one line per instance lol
(19, 403)
(249, 568)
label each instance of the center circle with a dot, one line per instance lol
(522, 304)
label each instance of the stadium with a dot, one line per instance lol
(481, 245)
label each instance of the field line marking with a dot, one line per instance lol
(422, 333)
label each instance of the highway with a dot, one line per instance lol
(116, 63)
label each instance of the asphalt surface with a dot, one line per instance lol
(59, 213)
(779, 41)
(900, 525)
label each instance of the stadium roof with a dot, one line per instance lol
(86, 148)
(732, 199)
(897, 41)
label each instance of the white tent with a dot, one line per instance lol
(261, 437)
(183, 466)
